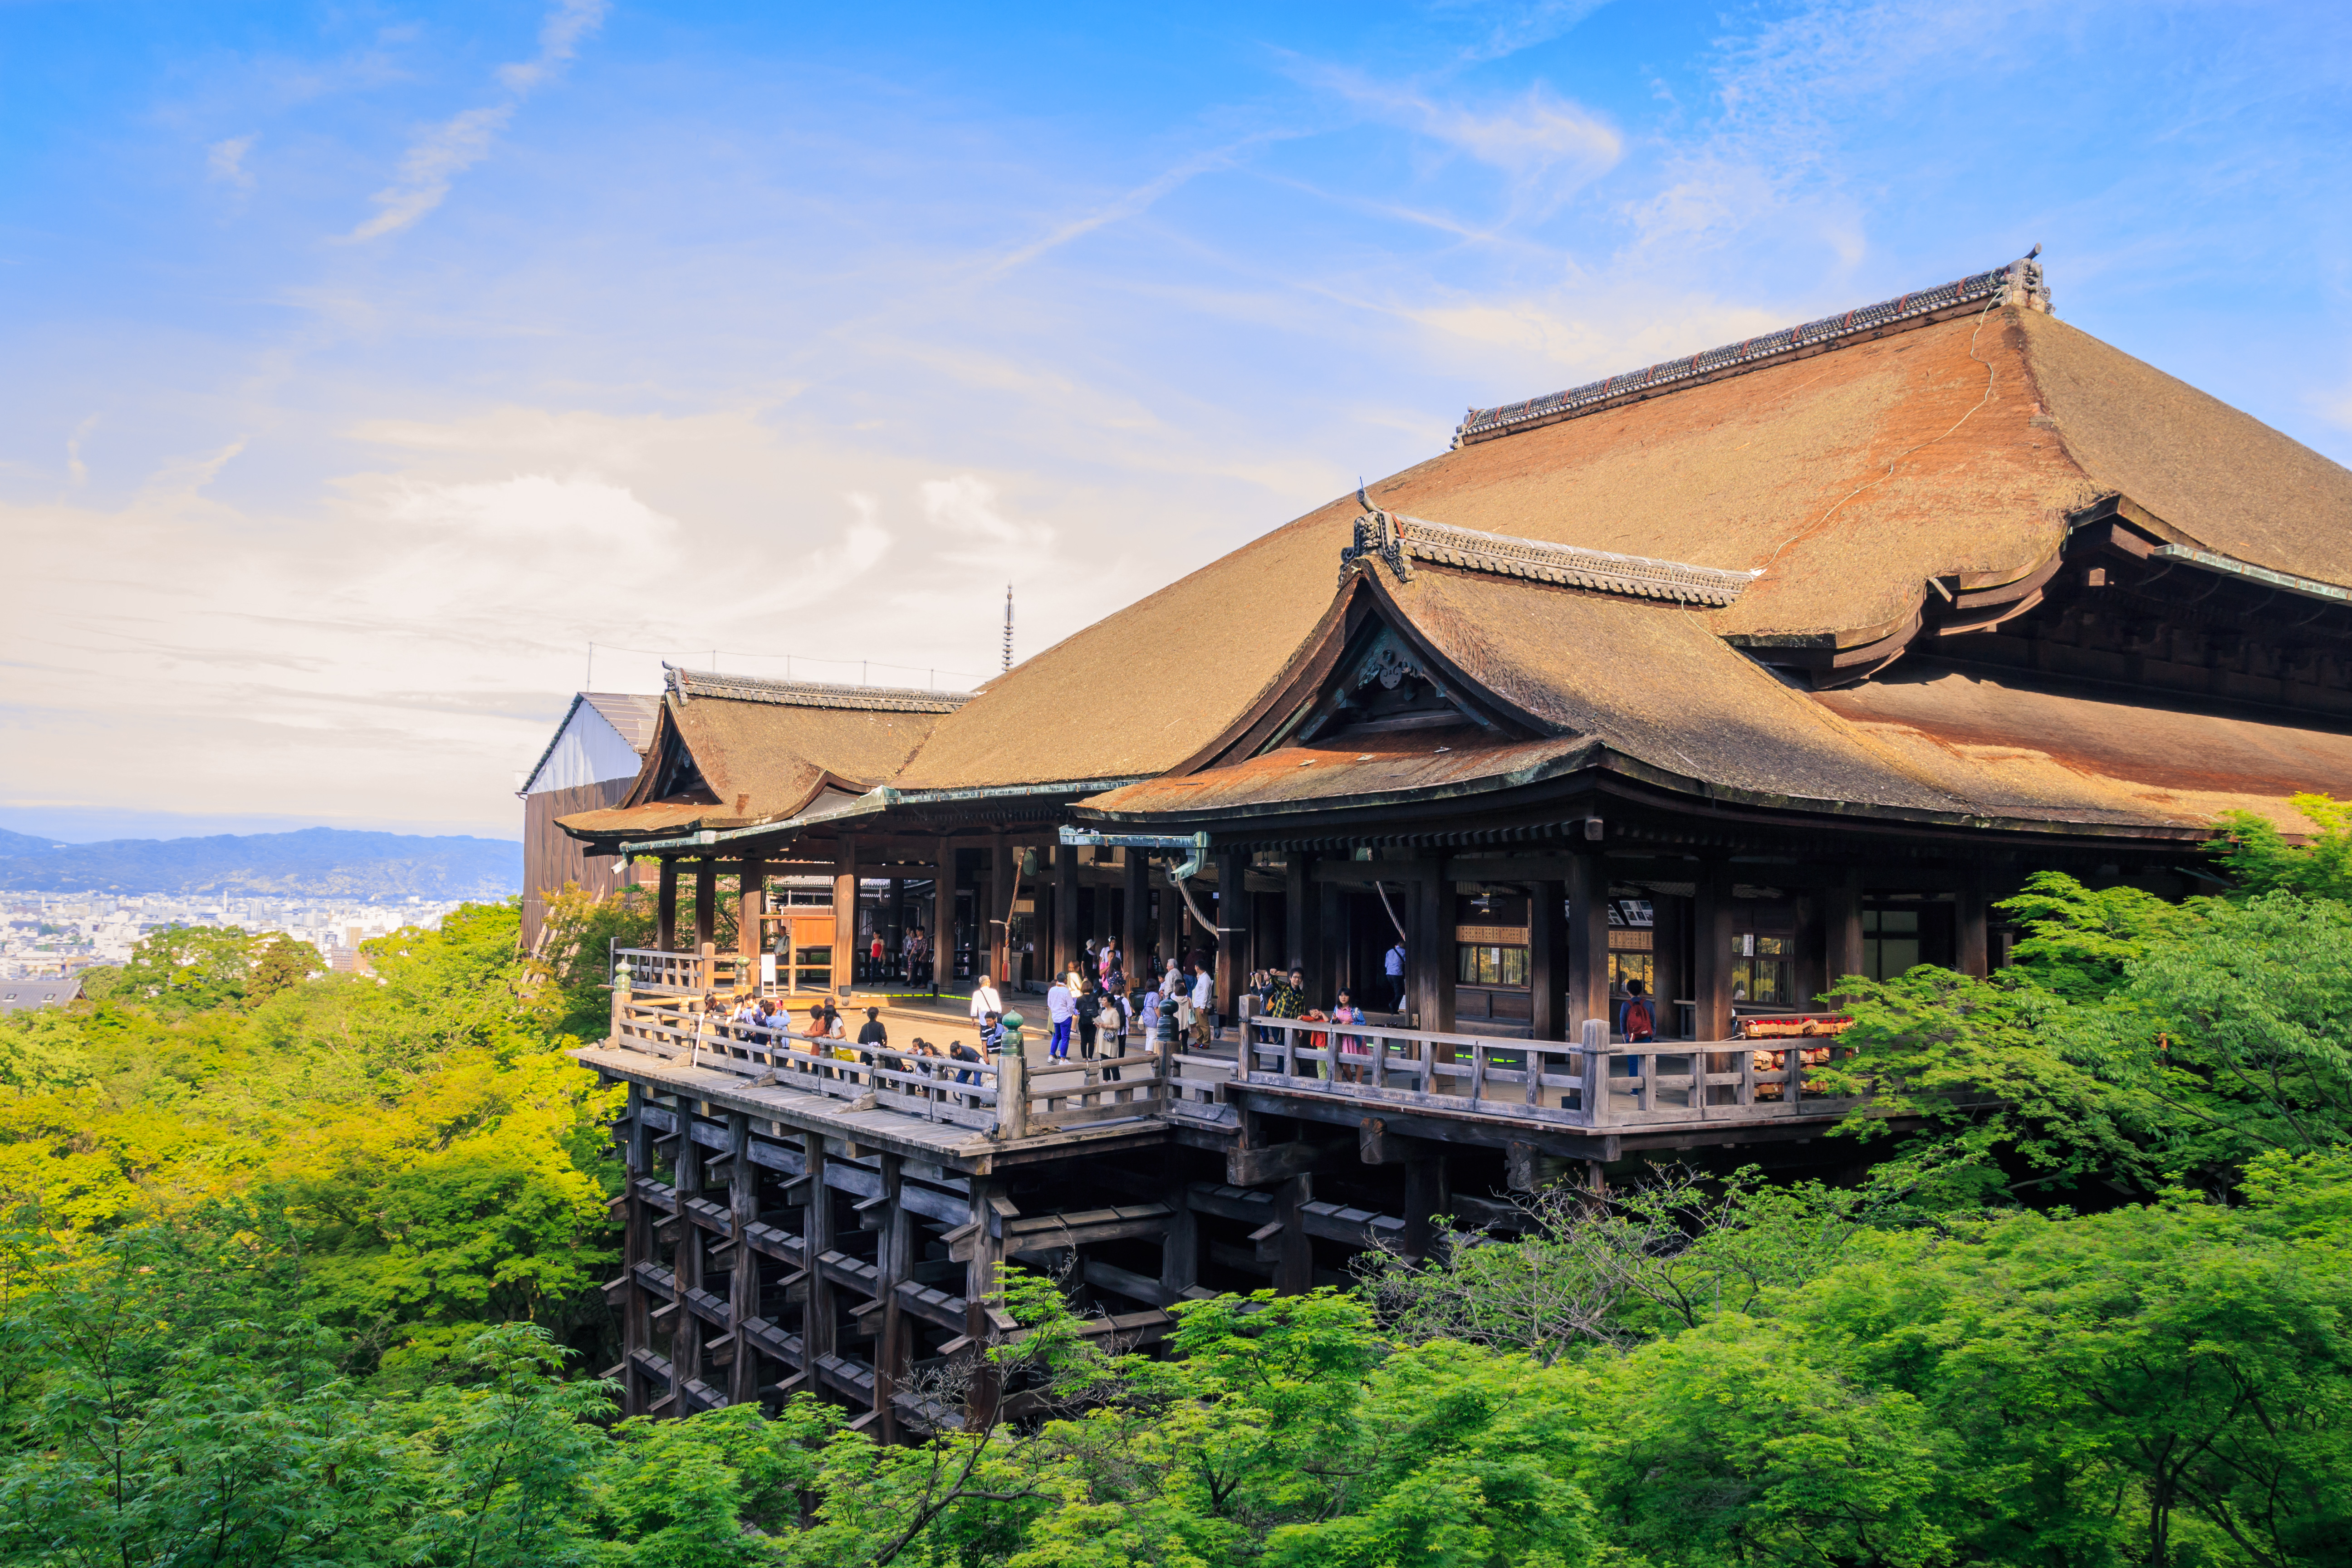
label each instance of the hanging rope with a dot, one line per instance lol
(1184, 887)
(1383, 892)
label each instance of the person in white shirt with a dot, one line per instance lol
(1204, 1022)
(1062, 1009)
(984, 1000)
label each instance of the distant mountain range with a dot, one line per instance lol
(328, 862)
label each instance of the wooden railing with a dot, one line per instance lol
(680, 974)
(1587, 1083)
(1010, 1097)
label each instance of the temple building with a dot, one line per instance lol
(1733, 676)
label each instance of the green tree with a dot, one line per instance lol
(2259, 857)
(282, 962)
(181, 969)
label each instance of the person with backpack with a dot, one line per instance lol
(1636, 1022)
(1392, 966)
(1088, 1005)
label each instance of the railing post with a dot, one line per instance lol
(1012, 1096)
(1289, 1048)
(1595, 1089)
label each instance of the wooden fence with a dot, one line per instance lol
(1010, 1097)
(1587, 1083)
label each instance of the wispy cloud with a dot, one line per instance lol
(224, 161)
(1522, 25)
(448, 150)
(1547, 146)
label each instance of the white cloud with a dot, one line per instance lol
(224, 161)
(435, 159)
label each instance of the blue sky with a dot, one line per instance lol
(369, 360)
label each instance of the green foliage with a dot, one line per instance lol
(181, 969)
(2261, 860)
(572, 968)
(2079, 943)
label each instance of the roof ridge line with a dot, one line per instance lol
(689, 684)
(1918, 309)
(1400, 540)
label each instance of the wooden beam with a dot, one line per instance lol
(1134, 905)
(743, 1262)
(1246, 1167)
(666, 919)
(1841, 929)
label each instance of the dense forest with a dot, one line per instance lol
(303, 1268)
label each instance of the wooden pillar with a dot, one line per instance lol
(1711, 951)
(943, 937)
(1426, 1196)
(819, 1319)
(845, 917)
(981, 1286)
(686, 1266)
(1841, 929)
(1064, 956)
(1969, 922)
(994, 938)
(1302, 921)
(897, 938)
(1335, 964)
(1172, 922)
(1430, 955)
(1548, 964)
(894, 1261)
(706, 905)
(1234, 941)
(637, 1247)
(666, 927)
(1588, 940)
(1179, 1248)
(750, 912)
(1133, 913)
(1294, 1273)
(743, 1279)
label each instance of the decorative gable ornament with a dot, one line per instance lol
(1399, 541)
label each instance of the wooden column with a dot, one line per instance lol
(1302, 921)
(1233, 942)
(637, 1247)
(981, 1286)
(894, 1261)
(1335, 969)
(743, 1278)
(897, 938)
(1547, 966)
(1588, 940)
(1179, 1248)
(1840, 929)
(993, 940)
(1171, 921)
(1294, 1273)
(665, 905)
(845, 917)
(751, 909)
(706, 905)
(1426, 1196)
(1711, 951)
(819, 1319)
(685, 1268)
(1136, 869)
(1065, 955)
(1969, 920)
(943, 938)
(1430, 956)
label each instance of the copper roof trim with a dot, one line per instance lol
(1918, 309)
(2310, 587)
(689, 684)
